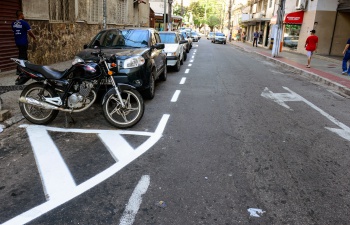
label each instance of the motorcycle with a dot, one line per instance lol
(75, 90)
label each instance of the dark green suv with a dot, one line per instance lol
(138, 55)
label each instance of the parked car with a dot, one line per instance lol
(173, 48)
(194, 36)
(138, 54)
(210, 35)
(291, 41)
(219, 38)
(189, 41)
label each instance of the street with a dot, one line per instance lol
(229, 139)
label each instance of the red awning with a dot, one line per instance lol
(294, 17)
(290, 18)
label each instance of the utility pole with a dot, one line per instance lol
(104, 14)
(164, 16)
(229, 20)
(170, 20)
(278, 29)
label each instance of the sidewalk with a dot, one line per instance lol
(323, 69)
(9, 95)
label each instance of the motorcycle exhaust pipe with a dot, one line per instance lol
(41, 104)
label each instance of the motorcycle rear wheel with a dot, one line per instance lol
(36, 114)
(125, 117)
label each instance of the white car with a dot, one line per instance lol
(174, 48)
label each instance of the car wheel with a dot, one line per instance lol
(178, 66)
(182, 60)
(164, 75)
(185, 55)
(149, 92)
(188, 49)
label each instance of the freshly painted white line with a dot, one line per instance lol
(190, 64)
(183, 80)
(191, 60)
(87, 185)
(135, 200)
(255, 212)
(55, 175)
(193, 57)
(187, 70)
(175, 96)
(281, 98)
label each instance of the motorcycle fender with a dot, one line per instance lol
(111, 91)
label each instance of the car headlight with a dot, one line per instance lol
(171, 54)
(77, 60)
(134, 62)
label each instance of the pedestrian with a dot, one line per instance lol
(311, 46)
(346, 58)
(20, 29)
(256, 36)
(243, 37)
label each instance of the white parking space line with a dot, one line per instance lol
(191, 60)
(135, 201)
(187, 70)
(183, 80)
(175, 96)
(52, 203)
(193, 57)
(189, 64)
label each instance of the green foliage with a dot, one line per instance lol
(213, 21)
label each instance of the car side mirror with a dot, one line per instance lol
(97, 43)
(183, 41)
(85, 46)
(158, 46)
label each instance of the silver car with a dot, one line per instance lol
(194, 36)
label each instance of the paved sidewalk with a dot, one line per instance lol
(323, 69)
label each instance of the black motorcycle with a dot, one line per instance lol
(75, 90)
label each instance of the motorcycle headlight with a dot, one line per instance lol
(77, 60)
(134, 62)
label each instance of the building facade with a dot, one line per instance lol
(62, 27)
(328, 18)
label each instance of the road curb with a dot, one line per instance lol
(341, 88)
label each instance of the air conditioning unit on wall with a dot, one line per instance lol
(300, 5)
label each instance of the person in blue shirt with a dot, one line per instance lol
(346, 53)
(21, 29)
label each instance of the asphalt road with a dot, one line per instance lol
(230, 139)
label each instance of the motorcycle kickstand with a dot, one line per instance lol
(66, 119)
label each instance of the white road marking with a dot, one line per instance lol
(254, 212)
(175, 96)
(191, 60)
(189, 64)
(135, 200)
(281, 98)
(193, 57)
(187, 70)
(59, 198)
(183, 80)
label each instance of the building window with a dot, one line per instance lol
(59, 10)
(95, 11)
(121, 11)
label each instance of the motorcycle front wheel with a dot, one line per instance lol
(124, 117)
(33, 113)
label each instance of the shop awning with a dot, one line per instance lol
(290, 18)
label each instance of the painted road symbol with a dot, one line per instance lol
(59, 185)
(281, 98)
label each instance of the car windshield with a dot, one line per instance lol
(219, 34)
(194, 33)
(122, 38)
(167, 37)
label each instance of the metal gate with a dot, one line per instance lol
(8, 48)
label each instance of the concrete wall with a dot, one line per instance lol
(341, 34)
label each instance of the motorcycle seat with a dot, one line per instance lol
(46, 71)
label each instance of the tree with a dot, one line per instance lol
(213, 21)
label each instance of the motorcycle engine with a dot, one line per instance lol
(78, 99)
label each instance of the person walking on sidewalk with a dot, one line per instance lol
(20, 29)
(311, 46)
(346, 58)
(256, 36)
